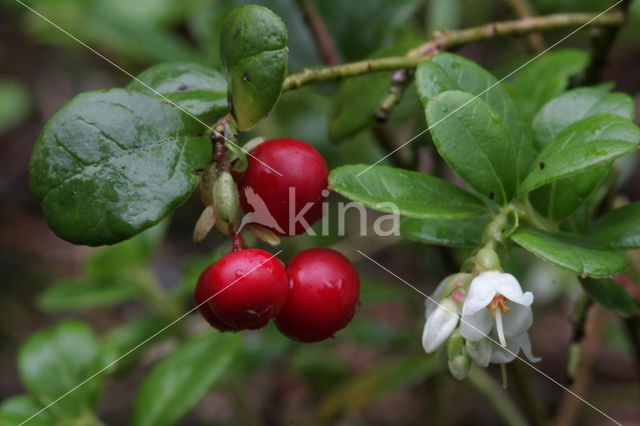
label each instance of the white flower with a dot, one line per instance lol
(442, 315)
(496, 306)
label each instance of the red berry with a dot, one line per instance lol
(303, 170)
(200, 297)
(249, 287)
(323, 294)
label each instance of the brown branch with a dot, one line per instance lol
(451, 39)
(321, 35)
(522, 9)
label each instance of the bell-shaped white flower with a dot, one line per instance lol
(442, 314)
(496, 305)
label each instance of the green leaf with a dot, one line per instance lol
(620, 228)
(465, 232)
(177, 382)
(253, 50)
(85, 294)
(112, 163)
(545, 78)
(579, 254)
(413, 194)
(200, 90)
(14, 104)
(559, 199)
(446, 71)
(578, 104)
(474, 140)
(17, 409)
(584, 144)
(611, 295)
(54, 361)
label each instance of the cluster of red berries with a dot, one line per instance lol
(317, 293)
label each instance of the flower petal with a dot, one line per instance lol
(481, 292)
(508, 286)
(502, 355)
(525, 344)
(517, 321)
(476, 326)
(480, 351)
(430, 302)
(440, 325)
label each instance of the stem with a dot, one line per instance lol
(450, 39)
(321, 35)
(570, 406)
(601, 44)
(400, 79)
(484, 384)
(522, 9)
(532, 406)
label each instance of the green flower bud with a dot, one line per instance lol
(226, 198)
(459, 360)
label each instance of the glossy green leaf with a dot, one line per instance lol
(198, 89)
(177, 382)
(545, 78)
(82, 294)
(253, 49)
(620, 227)
(584, 144)
(559, 199)
(581, 255)
(474, 140)
(465, 232)
(54, 361)
(611, 295)
(18, 409)
(405, 192)
(578, 104)
(112, 163)
(446, 71)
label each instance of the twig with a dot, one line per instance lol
(522, 9)
(321, 35)
(482, 381)
(601, 43)
(399, 81)
(569, 408)
(447, 40)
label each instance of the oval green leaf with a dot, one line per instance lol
(177, 382)
(54, 361)
(408, 193)
(475, 142)
(253, 50)
(611, 296)
(198, 89)
(18, 409)
(620, 228)
(112, 163)
(583, 145)
(465, 232)
(447, 71)
(579, 254)
(578, 104)
(546, 77)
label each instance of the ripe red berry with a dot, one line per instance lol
(249, 287)
(303, 175)
(323, 294)
(200, 297)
